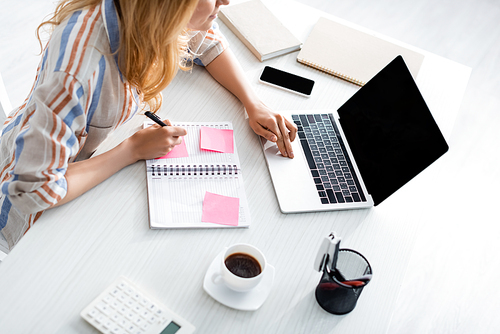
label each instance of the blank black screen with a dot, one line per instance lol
(390, 130)
(287, 80)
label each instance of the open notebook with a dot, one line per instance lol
(199, 184)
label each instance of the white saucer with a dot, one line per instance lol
(244, 301)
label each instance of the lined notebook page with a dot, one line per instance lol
(176, 197)
(178, 202)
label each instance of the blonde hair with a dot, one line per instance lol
(153, 40)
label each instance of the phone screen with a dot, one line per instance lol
(287, 80)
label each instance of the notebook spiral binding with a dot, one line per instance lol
(193, 170)
(329, 71)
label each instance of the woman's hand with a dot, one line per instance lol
(152, 142)
(273, 126)
(155, 141)
(266, 123)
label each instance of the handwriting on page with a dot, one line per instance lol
(220, 209)
(219, 140)
(179, 151)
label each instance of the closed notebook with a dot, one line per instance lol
(351, 54)
(257, 27)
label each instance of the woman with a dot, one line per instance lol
(105, 60)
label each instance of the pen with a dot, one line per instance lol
(155, 118)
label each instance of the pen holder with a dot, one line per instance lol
(339, 288)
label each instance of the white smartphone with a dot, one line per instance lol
(287, 81)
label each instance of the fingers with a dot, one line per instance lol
(278, 130)
(284, 138)
(292, 128)
(260, 130)
(174, 136)
(171, 142)
(156, 141)
(173, 131)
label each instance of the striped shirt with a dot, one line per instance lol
(206, 45)
(78, 98)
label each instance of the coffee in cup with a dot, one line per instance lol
(242, 267)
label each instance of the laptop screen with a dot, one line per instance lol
(390, 130)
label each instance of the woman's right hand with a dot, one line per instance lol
(155, 141)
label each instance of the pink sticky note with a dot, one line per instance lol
(219, 140)
(220, 209)
(179, 151)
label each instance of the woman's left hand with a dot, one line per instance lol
(273, 126)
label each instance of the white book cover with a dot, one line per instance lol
(259, 29)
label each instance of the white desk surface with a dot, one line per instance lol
(75, 251)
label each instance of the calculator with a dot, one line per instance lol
(123, 308)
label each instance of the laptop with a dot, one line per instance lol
(357, 156)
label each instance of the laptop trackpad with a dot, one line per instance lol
(292, 179)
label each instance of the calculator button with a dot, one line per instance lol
(138, 321)
(152, 307)
(116, 330)
(143, 300)
(108, 299)
(138, 308)
(103, 308)
(146, 303)
(108, 324)
(123, 309)
(122, 297)
(129, 291)
(131, 328)
(145, 313)
(130, 303)
(100, 318)
(115, 304)
(124, 287)
(115, 317)
(93, 313)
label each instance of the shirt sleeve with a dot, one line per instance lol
(207, 45)
(51, 137)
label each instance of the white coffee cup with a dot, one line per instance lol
(235, 282)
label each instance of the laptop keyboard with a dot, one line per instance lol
(330, 167)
